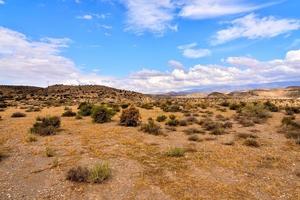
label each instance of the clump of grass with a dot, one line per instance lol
(18, 115)
(246, 135)
(215, 128)
(78, 117)
(49, 152)
(102, 114)
(175, 152)
(147, 106)
(69, 113)
(182, 122)
(46, 126)
(151, 127)
(85, 109)
(171, 108)
(99, 173)
(161, 118)
(191, 131)
(78, 174)
(172, 121)
(130, 117)
(194, 138)
(250, 142)
(31, 138)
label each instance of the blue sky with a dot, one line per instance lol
(149, 46)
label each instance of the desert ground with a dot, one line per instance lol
(209, 153)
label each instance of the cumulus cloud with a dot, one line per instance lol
(253, 27)
(192, 51)
(149, 15)
(23, 61)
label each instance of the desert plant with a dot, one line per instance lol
(102, 114)
(49, 152)
(85, 109)
(161, 118)
(246, 135)
(130, 117)
(271, 106)
(99, 173)
(182, 122)
(191, 131)
(194, 138)
(18, 115)
(46, 126)
(251, 142)
(30, 138)
(68, 113)
(151, 127)
(175, 152)
(78, 174)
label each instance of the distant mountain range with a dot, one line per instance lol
(232, 88)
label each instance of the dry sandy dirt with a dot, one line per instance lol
(140, 168)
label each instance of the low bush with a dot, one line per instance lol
(291, 110)
(85, 109)
(46, 126)
(171, 108)
(251, 142)
(161, 118)
(18, 115)
(253, 113)
(151, 127)
(291, 128)
(97, 174)
(182, 122)
(68, 113)
(175, 152)
(147, 106)
(130, 117)
(271, 106)
(194, 138)
(102, 114)
(246, 135)
(78, 174)
(191, 131)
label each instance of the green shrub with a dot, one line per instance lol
(161, 118)
(46, 126)
(151, 127)
(255, 113)
(102, 114)
(18, 115)
(130, 117)
(147, 106)
(85, 109)
(68, 113)
(271, 106)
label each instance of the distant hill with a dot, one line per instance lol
(86, 92)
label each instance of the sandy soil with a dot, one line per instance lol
(140, 168)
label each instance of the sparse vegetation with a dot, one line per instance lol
(46, 126)
(151, 127)
(18, 115)
(251, 142)
(175, 152)
(69, 113)
(85, 109)
(102, 114)
(130, 117)
(161, 118)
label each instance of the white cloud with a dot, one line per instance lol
(253, 27)
(191, 51)
(2, 2)
(175, 64)
(86, 17)
(204, 9)
(157, 16)
(149, 16)
(23, 61)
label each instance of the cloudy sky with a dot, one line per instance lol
(149, 45)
